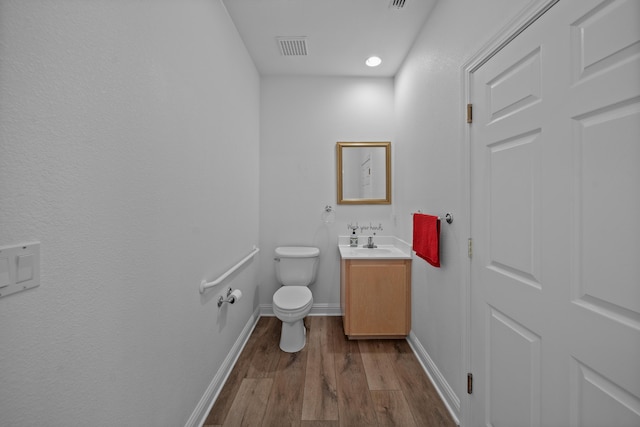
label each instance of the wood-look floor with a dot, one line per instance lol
(332, 382)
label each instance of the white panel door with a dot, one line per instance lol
(555, 222)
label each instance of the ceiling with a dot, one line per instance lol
(339, 35)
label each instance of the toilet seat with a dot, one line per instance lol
(292, 299)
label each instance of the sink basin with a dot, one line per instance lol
(371, 251)
(382, 251)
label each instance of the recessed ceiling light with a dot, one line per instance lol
(373, 61)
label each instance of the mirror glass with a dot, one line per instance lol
(364, 173)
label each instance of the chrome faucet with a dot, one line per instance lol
(370, 243)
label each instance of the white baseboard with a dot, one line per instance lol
(203, 408)
(323, 309)
(448, 396)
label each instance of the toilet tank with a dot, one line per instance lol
(296, 265)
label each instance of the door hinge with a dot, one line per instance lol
(469, 113)
(469, 383)
(470, 247)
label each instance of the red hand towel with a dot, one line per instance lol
(426, 238)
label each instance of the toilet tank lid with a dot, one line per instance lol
(297, 252)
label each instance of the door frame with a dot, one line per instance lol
(531, 12)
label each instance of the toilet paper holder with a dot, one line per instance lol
(231, 298)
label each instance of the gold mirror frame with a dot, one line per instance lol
(386, 200)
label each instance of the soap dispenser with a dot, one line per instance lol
(353, 240)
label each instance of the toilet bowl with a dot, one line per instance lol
(291, 304)
(296, 269)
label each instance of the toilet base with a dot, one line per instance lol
(293, 336)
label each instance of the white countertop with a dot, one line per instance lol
(388, 247)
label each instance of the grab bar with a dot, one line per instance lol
(204, 285)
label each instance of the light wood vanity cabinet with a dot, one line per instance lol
(375, 297)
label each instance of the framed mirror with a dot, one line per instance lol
(364, 173)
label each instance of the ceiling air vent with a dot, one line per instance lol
(293, 46)
(398, 4)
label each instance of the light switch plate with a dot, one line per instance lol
(19, 268)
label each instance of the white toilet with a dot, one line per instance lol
(296, 269)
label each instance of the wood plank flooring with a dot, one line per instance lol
(332, 382)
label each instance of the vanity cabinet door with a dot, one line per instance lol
(377, 298)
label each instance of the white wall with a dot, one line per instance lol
(122, 126)
(302, 118)
(429, 135)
